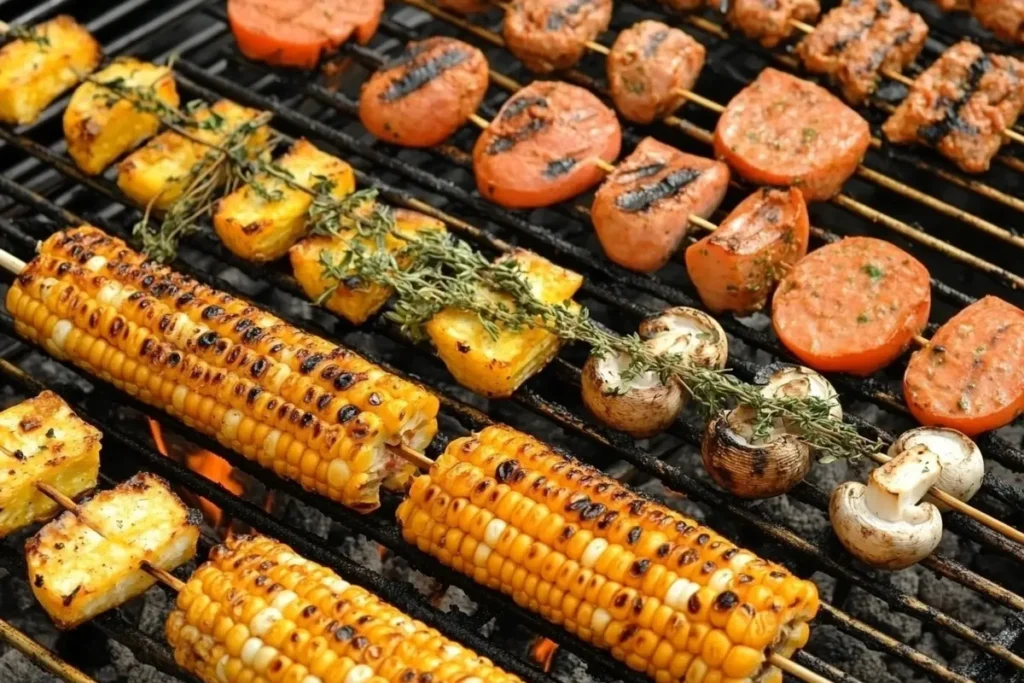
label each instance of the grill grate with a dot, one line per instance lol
(41, 180)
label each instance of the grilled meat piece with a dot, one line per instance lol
(782, 130)
(427, 93)
(83, 565)
(1005, 18)
(767, 21)
(668, 596)
(682, 5)
(856, 41)
(464, 6)
(549, 35)
(640, 212)
(960, 105)
(43, 441)
(541, 147)
(647, 67)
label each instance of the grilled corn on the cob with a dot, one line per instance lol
(258, 612)
(666, 595)
(33, 73)
(261, 220)
(354, 301)
(43, 441)
(82, 566)
(156, 175)
(100, 125)
(497, 366)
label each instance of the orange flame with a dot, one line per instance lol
(543, 652)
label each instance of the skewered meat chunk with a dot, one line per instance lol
(464, 6)
(736, 267)
(355, 301)
(43, 441)
(1005, 18)
(858, 40)
(852, 306)
(647, 67)
(767, 21)
(640, 212)
(100, 125)
(83, 565)
(549, 35)
(664, 594)
(782, 130)
(257, 609)
(541, 147)
(496, 366)
(960, 105)
(33, 73)
(970, 377)
(424, 95)
(156, 175)
(260, 221)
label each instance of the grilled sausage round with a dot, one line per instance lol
(548, 35)
(426, 94)
(647, 67)
(783, 130)
(641, 211)
(541, 147)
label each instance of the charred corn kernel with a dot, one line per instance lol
(664, 594)
(497, 366)
(156, 175)
(100, 124)
(354, 301)
(289, 619)
(261, 220)
(43, 441)
(81, 566)
(408, 412)
(34, 72)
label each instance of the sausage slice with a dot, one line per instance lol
(736, 267)
(425, 94)
(641, 211)
(970, 376)
(549, 35)
(783, 130)
(767, 21)
(648, 64)
(541, 147)
(852, 306)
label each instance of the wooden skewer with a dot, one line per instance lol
(40, 656)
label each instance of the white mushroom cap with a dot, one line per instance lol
(799, 382)
(963, 468)
(885, 523)
(640, 406)
(691, 333)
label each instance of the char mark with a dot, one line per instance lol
(559, 167)
(503, 143)
(933, 133)
(422, 74)
(642, 172)
(558, 18)
(520, 104)
(881, 9)
(411, 52)
(646, 196)
(654, 42)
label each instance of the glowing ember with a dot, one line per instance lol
(543, 652)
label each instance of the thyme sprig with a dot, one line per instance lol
(28, 33)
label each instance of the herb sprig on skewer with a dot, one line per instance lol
(433, 270)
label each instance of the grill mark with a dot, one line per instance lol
(643, 172)
(422, 74)
(559, 167)
(519, 105)
(933, 133)
(646, 196)
(558, 18)
(654, 42)
(407, 55)
(503, 143)
(882, 9)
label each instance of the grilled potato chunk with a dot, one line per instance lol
(83, 566)
(100, 126)
(42, 440)
(156, 175)
(35, 73)
(496, 367)
(259, 222)
(353, 301)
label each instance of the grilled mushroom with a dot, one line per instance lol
(640, 406)
(782, 380)
(963, 468)
(691, 333)
(885, 523)
(749, 466)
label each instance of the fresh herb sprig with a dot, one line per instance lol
(27, 33)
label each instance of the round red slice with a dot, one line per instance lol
(542, 146)
(970, 377)
(852, 306)
(426, 94)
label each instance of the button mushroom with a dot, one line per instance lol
(640, 406)
(693, 334)
(963, 468)
(781, 380)
(885, 523)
